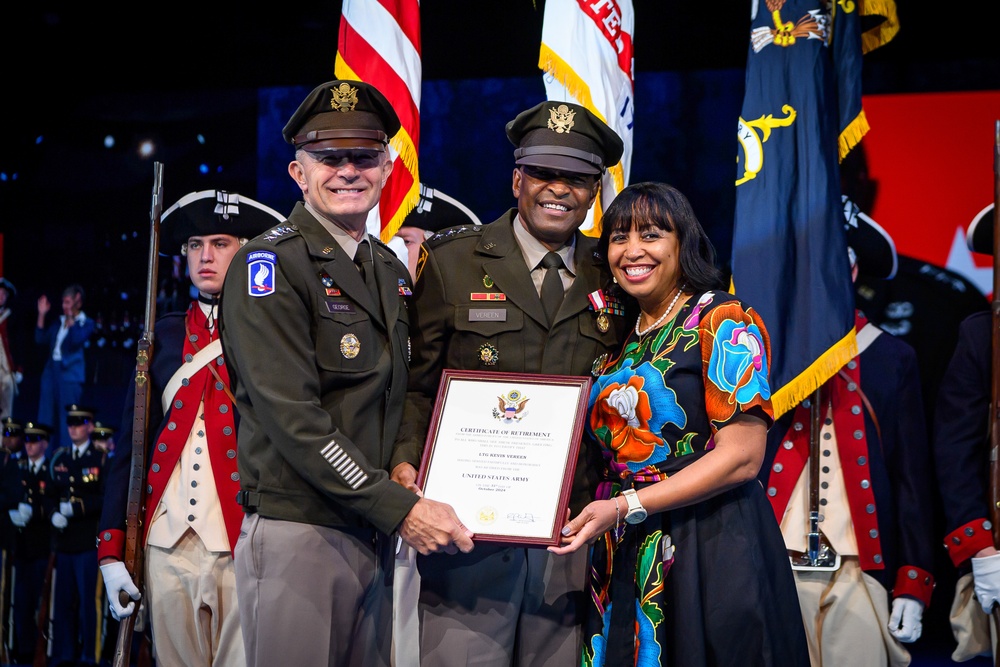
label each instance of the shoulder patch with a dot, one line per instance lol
(260, 272)
(279, 233)
(452, 233)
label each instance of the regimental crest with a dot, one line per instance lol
(344, 97)
(815, 24)
(511, 406)
(561, 119)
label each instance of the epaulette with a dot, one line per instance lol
(452, 233)
(279, 233)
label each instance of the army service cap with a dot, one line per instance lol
(101, 432)
(33, 431)
(11, 427)
(209, 212)
(564, 136)
(76, 415)
(342, 114)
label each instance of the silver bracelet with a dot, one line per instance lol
(618, 513)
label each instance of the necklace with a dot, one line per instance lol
(662, 317)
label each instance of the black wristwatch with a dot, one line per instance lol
(636, 512)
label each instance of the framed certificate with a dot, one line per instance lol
(502, 450)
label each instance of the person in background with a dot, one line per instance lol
(868, 594)
(9, 375)
(192, 518)
(33, 539)
(73, 501)
(315, 325)
(63, 374)
(103, 438)
(689, 567)
(521, 294)
(961, 451)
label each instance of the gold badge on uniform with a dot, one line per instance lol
(350, 346)
(344, 97)
(487, 281)
(561, 119)
(488, 354)
(598, 366)
(602, 323)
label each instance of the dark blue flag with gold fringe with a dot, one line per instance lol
(801, 114)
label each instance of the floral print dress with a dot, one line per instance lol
(707, 584)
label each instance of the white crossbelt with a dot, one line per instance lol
(187, 370)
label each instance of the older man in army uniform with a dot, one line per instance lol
(316, 330)
(522, 294)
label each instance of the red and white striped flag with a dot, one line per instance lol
(586, 55)
(379, 44)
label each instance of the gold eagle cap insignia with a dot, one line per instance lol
(561, 119)
(345, 97)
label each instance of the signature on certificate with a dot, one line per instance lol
(521, 517)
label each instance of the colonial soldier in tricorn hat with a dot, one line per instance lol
(963, 461)
(874, 469)
(191, 512)
(316, 327)
(522, 294)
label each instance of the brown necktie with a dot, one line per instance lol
(552, 287)
(363, 258)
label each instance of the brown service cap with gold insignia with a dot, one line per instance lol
(42, 431)
(11, 426)
(342, 114)
(101, 432)
(565, 137)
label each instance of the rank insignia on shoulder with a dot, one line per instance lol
(278, 232)
(488, 296)
(489, 354)
(403, 289)
(260, 273)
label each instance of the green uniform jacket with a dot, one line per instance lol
(451, 332)
(320, 373)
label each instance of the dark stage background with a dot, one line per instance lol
(213, 84)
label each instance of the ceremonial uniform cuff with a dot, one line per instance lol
(111, 544)
(966, 541)
(914, 582)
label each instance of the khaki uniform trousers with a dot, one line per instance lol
(846, 617)
(192, 605)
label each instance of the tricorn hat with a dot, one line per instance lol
(872, 246)
(980, 235)
(8, 285)
(565, 137)
(209, 212)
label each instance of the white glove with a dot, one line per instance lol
(905, 620)
(26, 511)
(17, 519)
(66, 509)
(986, 578)
(59, 521)
(117, 579)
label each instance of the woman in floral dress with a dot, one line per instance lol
(691, 570)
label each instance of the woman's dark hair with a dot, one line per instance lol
(661, 206)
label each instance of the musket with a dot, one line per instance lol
(995, 372)
(44, 615)
(819, 555)
(140, 429)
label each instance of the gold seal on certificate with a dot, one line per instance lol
(502, 450)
